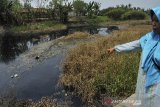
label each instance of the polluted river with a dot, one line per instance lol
(30, 66)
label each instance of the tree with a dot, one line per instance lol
(93, 8)
(3, 5)
(129, 6)
(3, 8)
(122, 6)
(79, 7)
(66, 9)
(17, 6)
(59, 9)
(41, 3)
(7, 10)
(27, 7)
(27, 4)
(96, 8)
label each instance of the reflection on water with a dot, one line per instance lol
(29, 44)
(11, 46)
(91, 30)
(103, 31)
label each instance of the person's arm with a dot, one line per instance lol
(131, 46)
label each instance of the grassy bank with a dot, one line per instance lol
(94, 74)
(128, 22)
(39, 26)
(90, 71)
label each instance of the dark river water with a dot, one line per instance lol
(40, 80)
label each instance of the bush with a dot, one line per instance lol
(138, 15)
(116, 13)
(102, 18)
(104, 11)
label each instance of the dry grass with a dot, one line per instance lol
(43, 102)
(129, 22)
(93, 73)
(77, 35)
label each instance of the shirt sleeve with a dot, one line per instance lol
(131, 46)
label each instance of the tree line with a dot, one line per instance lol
(13, 12)
(125, 12)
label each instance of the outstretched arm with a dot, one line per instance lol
(131, 46)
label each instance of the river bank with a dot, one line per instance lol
(96, 76)
(38, 70)
(30, 62)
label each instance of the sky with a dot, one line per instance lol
(146, 4)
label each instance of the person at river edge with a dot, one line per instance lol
(148, 82)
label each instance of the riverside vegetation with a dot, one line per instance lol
(92, 74)
(45, 26)
(88, 69)
(46, 51)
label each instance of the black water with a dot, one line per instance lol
(12, 46)
(42, 79)
(39, 81)
(31, 83)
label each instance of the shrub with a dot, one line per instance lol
(102, 18)
(137, 15)
(115, 13)
(104, 11)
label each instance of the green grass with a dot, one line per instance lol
(95, 19)
(40, 26)
(102, 18)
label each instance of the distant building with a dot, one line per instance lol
(71, 14)
(34, 14)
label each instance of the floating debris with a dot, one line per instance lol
(66, 94)
(37, 57)
(14, 76)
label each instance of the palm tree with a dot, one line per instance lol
(96, 8)
(66, 9)
(129, 6)
(90, 8)
(79, 7)
(60, 9)
(93, 8)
